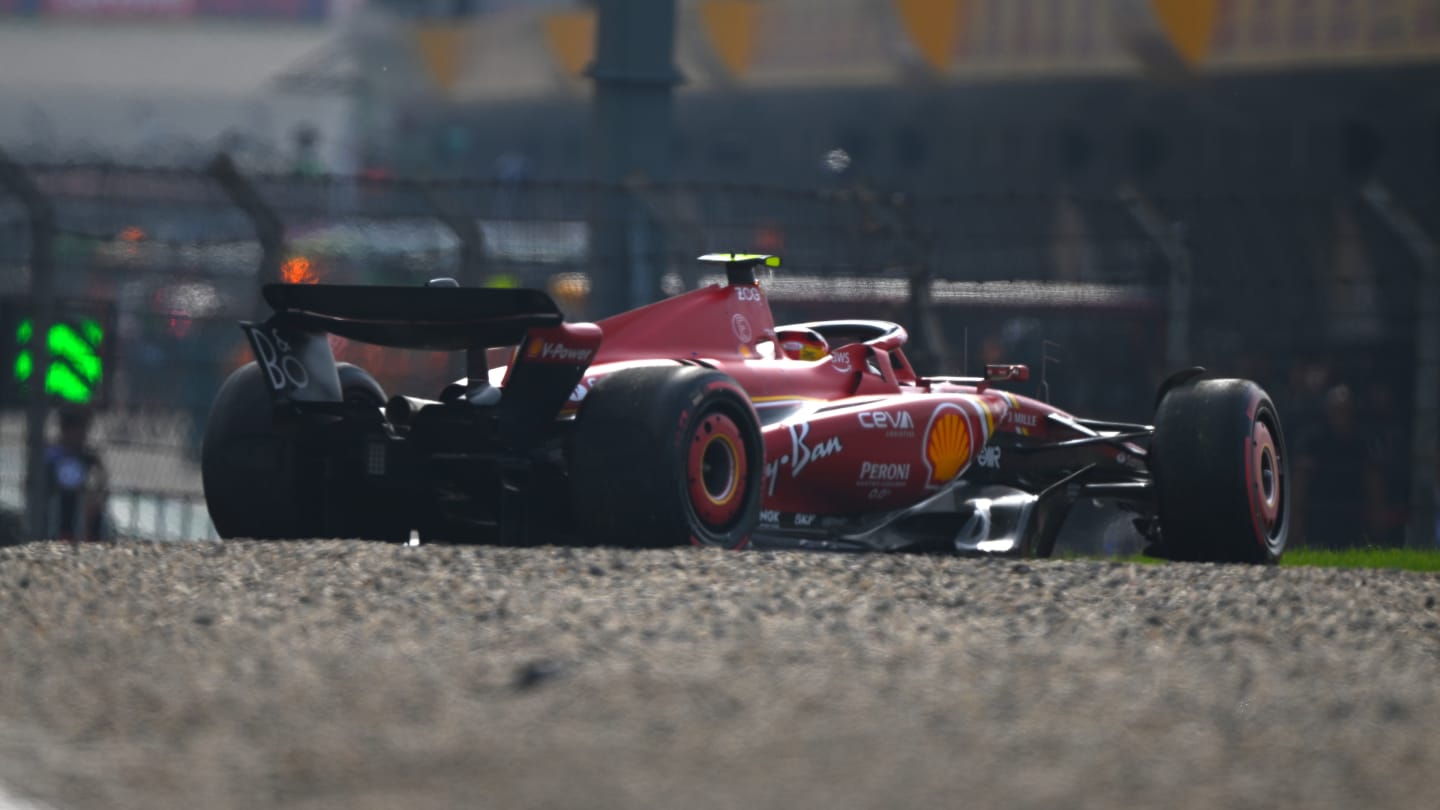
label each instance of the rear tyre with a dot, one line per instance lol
(358, 387)
(249, 471)
(1221, 473)
(666, 455)
(262, 482)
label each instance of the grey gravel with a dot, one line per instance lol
(341, 674)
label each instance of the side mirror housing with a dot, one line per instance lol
(1006, 372)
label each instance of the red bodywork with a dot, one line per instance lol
(773, 441)
(857, 431)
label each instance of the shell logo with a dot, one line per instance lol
(947, 445)
(535, 347)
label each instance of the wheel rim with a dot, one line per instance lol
(716, 470)
(1267, 486)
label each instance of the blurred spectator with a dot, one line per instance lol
(1301, 402)
(1390, 451)
(77, 483)
(307, 161)
(1337, 481)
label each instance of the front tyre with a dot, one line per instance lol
(665, 455)
(1221, 473)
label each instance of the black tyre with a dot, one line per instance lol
(260, 483)
(1221, 473)
(666, 455)
(248, 470)
(358, 387)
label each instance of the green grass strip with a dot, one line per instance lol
(1405, 559)
(1402, 559)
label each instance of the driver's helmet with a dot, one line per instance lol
(801, 343)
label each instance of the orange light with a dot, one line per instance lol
(131, 234)
(570, 285)
(297, 270)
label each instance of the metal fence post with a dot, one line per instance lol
(269, 228)
(466, 229)
(1425, 414)
(893, 215)
(1170, 238)
(42, 313)
(452, 215)
(635, 77)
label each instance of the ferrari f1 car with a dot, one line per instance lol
(697, 419)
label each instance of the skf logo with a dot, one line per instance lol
(947, 445)
(545, 351)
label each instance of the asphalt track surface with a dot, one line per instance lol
(342, 674)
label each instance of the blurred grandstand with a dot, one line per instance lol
(1042, 171)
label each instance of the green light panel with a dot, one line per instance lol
(75, 367)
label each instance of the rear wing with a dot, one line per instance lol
(433, 318)
(292, 350)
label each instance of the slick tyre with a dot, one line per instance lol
(1221, 473)
(249, 470)
(666, 455)
(258, 481)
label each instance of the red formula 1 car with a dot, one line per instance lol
(697, 419)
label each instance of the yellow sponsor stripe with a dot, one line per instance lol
(788, 399)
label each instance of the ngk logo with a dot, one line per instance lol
(885, 420)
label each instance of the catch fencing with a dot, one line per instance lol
(1102, 293)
